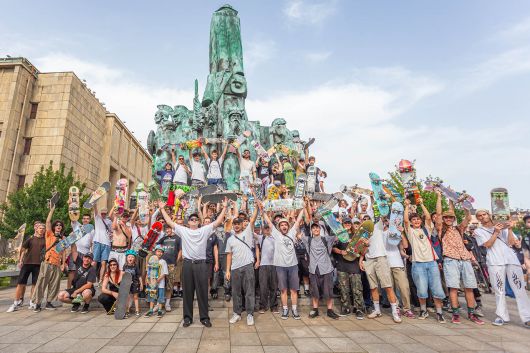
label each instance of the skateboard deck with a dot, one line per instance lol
(408, 177)
(52, 201)
(153, 272)
(74, 237)
(208, 189)
(321, 196)
(154, 191)
(18, 240)
(392, 192)
(143, 207)
(463, 198)
(311, 179)
(281, 205)
(219, 197)
(96, 195)
(260, 151)
(358, 244)
(325, 212)
(121, 195)
(299, 190)
(500, 206)
(190, 144)
(289, 175)
(193, 203)
(273, 193)
(396, 220)
(151, 238)
(381, 198)
(73, 203)
(125, 289)
(214, 140)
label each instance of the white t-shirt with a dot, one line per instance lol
(242, 254)
(284, 254)
(266, 250)
(500, 253)
(246, 167)
(85, 243)
(194, 241)
(214, 168)
(181, 176)
(420, 243)
(392, 253)
(101, 235)
(163, 271)
(377, 242)
(198, 171)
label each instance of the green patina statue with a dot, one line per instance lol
(221, 114)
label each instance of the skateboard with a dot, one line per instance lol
(281, 205)
(150, 238)
(219, 197)
(396, 220)
(125, 289)
(260, 151)
(153, 272)
(381, 198)
(324, 211)
(96, 195)
(392, 192)
(289, 174)
(52, 201)
(193, 200)
(214, 140)
(299, 190)
(273, 193)
(500, 207)
(463, 198)
(154, 191)
(358, 244)
(244, 182)
(18, 240)
(321, 196)
(74, 237)
(238, 141)
(408, 177)
(73, 203)
(311, 179)
(121, 195)
(190, 144)
(355, 190)
(143, 207)
(208, 189)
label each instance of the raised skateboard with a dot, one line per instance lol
(191, 144)
(193, 201)
(381, 198)
(214, 140)
(18, 240)
(358, 244)
(299, 190)
(311, 179)
(77, 234)
(208, 189)
(154, 191)
(73, 203)
(408, 177)
(125, 289)
(281, 205)
(244, 182)
(392, 192)
(219, 197)
(153, 272)
(143, 207)
(273, 192)
(52, 201)
(121, 195)
(150, 238)
(260, 151)
(96, 195)
(396, 220)
(355, 191)
(321, 196)
(500, 205)
(325, 212)
(463, 198)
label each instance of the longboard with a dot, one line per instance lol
(77, 234)
(96, 195)
(143, 207)
(153, 272)
(121, 195)
(125, 288)
(325, 212)
(311, 179)
(396, 219)
(18, 240)
(381, 198)
(73, 203)
(260, 151)
(150, 238)
(358, 244)
(299, 190)
(500, 206)
(219, 197)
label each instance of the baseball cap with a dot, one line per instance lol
(346, 220)
(159, 247)
(193, 215)
(237, 221)
(315, 224)
(448, 214)
(89, 254)
(282, 220)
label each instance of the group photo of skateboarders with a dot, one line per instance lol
(282, 237)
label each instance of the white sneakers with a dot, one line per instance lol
(235, 318)
(168, 307)
(250, 320)
(12, 308)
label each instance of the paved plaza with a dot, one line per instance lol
(62, 331)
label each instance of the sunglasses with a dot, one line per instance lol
(113, 264)
(194, 219)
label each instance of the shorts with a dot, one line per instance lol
(321, 285)
(71, 290)
(454, 270)
(135, 287)
(25, 271)
(171, 277)
(303, 266)
(119, 256)
(161, 298)
(213, 181)
(378, 270)
(101, 252)
(197, 182)
(71, 263)
(178, 271)
(426, 275)
(288, 277)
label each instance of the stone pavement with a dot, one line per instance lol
(62, 331)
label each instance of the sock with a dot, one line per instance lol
(394, 307)
(377, 307)
(456, 311)
(168, 301)
(17, 302)
(285, 307)
(306, 286)
(470, 310)
(293, 307)
(423, 307)
(438, 310)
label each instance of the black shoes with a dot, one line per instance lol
(206, 323)
(187, 322)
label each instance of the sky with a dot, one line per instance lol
(443, 83)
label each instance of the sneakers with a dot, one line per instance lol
(296, 316)
(250, 320)
(455, 319)
(168, 307)
(50, 306)
(159, 313)
(137, 313)
(423, 315)
(478, 311)
(474, 318)
(344, 311)
(527, 324)
(313, 313)
(31, 305)
(374, 314)
(12, 308)
(85, 309)
(285, 314)
(149, 313)
(498, 322)
(409, 314)
(332, 315)
(235, 318)
(262, 310)
(75, 307)
(307, 293)
(396, 316)
(440, 318)
(275, 310)
(227, 297)
(359, 315)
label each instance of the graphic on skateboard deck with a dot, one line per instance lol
(219, 197)
(73, 203)
(392, 192)
(208, 189)
(311, 179)
(358, 243)
(193, 203)
(381, 198)
(154, 191)
(125, 289)
(325, 212)
(463, 198)
(52, 201)
(143, 207)
(299, 190)
(355, 192)
(281, 205)
(396, 220)
(153, 272)
(77, 234)
(190, 144)
(150, 239)
(273, 192)
(121, 195)
(260, 151)
(500, 205)
(96, 195)
(408, 177)
(236, 142)
(18, 240)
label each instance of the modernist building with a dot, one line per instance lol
(54, 116)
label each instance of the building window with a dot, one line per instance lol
(21, 181)
(33, 113)
(27, 146)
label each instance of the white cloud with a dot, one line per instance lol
(317, 57)
(515, 32)
(309, 12)
(258, 52)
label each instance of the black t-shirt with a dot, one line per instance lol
(172, 246)
(134, 271)
(212, 241)
(264, 172)
(279, 177)
(344, 265)
(35, 247)
(83, 275)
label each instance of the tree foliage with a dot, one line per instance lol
(30, 203)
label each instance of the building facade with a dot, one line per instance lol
(54, 116)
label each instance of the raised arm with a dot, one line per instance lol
(253, 218)
(169, 221)
(428, 220)
(221, 216)
(406, 214)
(264, 214)
(224, 152)
(438, 223)
(204, 153)
(49, 219)
(467, 218)
(299, 219)
(173, 158)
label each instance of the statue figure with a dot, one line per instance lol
(279, 132)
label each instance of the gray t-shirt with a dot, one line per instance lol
(240, 246)
(194, 241)
(284, 254)
(267, 250)
(319, 254)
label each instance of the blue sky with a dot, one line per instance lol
(444, 83)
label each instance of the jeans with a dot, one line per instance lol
(426, 275)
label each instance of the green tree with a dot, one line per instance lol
(30, 203)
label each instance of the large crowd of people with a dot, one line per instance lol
(265, 260)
